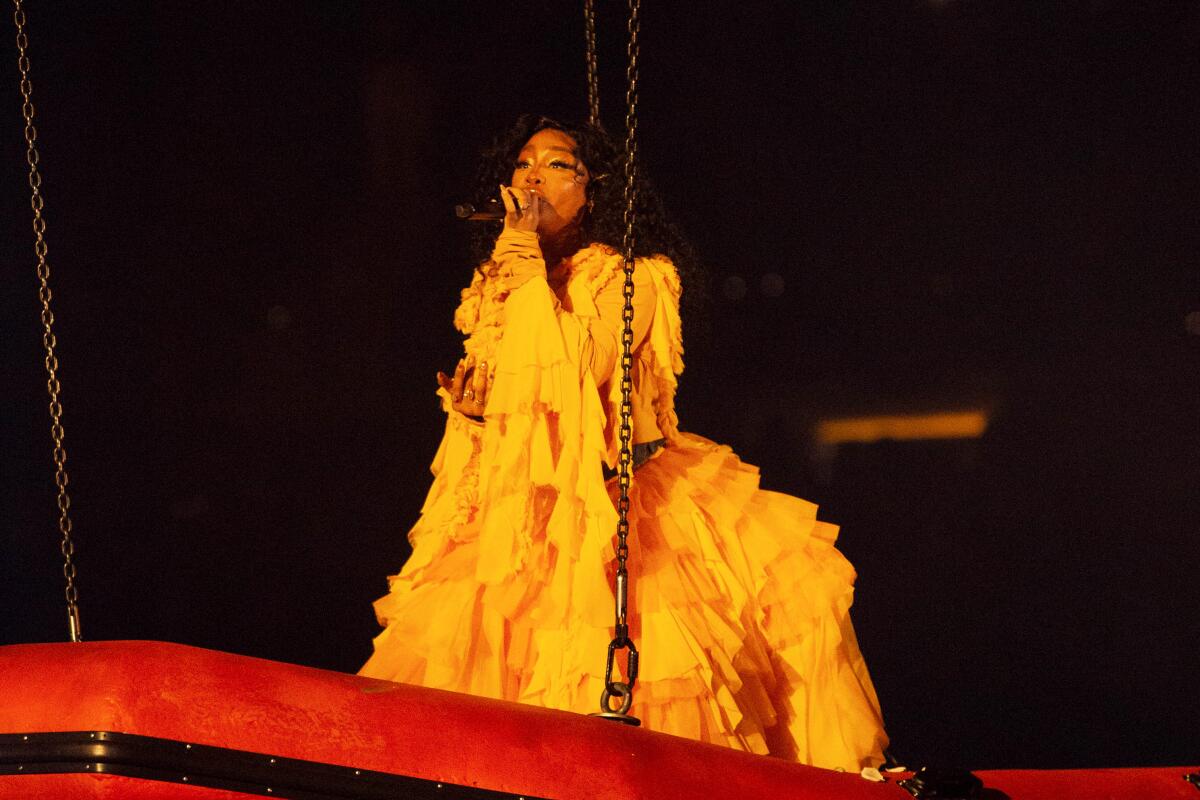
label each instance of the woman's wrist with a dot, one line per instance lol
(519, 257)
(513, 242)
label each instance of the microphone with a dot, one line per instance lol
(490, 211)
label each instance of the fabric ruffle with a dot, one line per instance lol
(742, 605)
(494, 587)
(740, 608)
(740, 601)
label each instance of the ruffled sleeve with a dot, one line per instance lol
(658, 337)
(662, 351)
(542, 502)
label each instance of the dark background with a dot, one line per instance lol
(953, 204)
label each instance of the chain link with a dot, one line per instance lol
(48, 339)
(593, 71)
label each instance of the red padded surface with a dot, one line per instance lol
(206, 697)
(101, 787)
(1146, 783)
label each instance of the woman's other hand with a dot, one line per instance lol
(523, 207)
(468, 388)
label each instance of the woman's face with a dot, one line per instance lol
(547, 166)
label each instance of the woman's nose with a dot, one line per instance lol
(532, 177)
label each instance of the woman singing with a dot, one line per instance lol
(740, 601)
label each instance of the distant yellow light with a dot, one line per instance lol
(940, 425)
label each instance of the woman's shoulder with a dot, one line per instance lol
(599, 266)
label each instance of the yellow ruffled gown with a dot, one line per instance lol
(740, 601)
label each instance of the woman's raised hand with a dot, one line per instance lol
(523, 207)
(468, 388)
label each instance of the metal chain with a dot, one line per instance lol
(628, 245)
(593, 72)
(625, 466)
(48, 339)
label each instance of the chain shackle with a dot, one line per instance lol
(49, 342)
(619, 689)
(621, 641)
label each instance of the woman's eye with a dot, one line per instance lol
(562, 165)
(521, 165)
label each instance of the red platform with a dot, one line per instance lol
(340, 735)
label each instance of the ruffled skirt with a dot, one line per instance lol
(739, 605)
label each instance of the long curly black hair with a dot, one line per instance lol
(654, 233)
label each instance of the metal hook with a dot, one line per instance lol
(618, 689)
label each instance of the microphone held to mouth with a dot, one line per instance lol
(491, 210)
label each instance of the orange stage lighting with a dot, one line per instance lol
(968, 424)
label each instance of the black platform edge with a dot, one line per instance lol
(149, 758)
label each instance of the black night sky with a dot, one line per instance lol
(902, 206)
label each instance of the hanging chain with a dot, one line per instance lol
(48, 340)
(628, 245)
(621, 640)
(593, 72)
